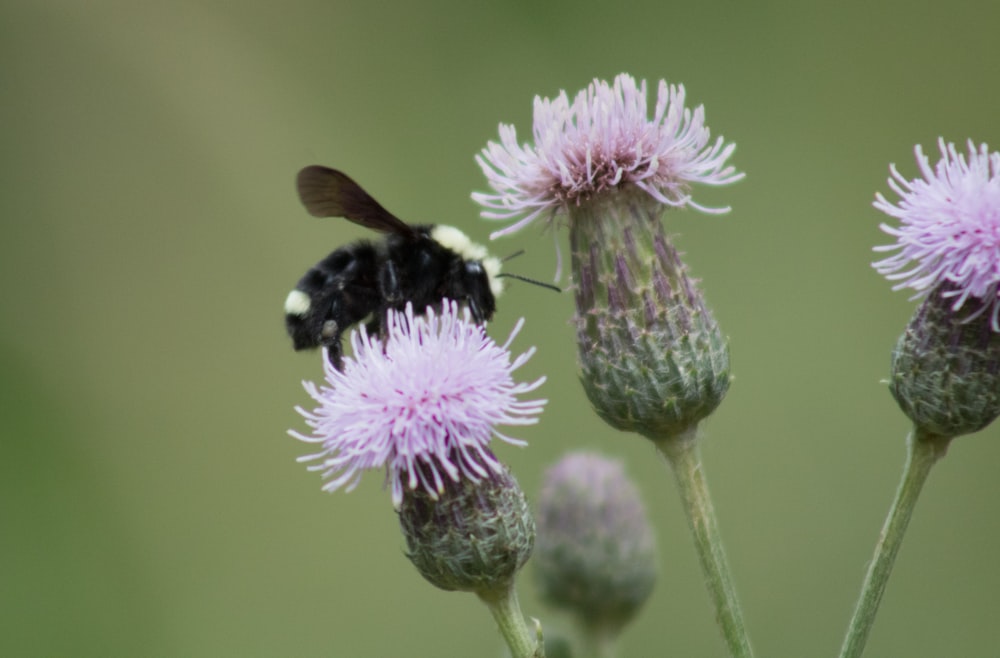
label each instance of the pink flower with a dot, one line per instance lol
(603, 140)
(949, 233)
(424, 404)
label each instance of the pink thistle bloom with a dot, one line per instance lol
(604, 139)
(423, 404)
(949, 229)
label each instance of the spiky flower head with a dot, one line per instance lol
(653, 359)
(603, 140)
(946, 370)
(946, 365)
(595, 555)
(948, 239)
(423, 404)
(473, 536)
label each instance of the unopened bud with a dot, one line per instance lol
(596, 553)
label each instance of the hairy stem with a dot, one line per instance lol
(506, 610)
(684, 456)
(922, 453)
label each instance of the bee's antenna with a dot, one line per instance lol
(527, 280)
(519, 252)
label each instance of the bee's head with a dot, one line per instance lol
(451, 238)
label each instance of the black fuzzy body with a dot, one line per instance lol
(362, 281)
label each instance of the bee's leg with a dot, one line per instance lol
(391, 293)
(477, 313)
(334, 354)
(388, 283)
(331, 331)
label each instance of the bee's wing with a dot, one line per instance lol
(327, 192)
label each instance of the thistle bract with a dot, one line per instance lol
(653, 360)
(946, 371)
(473, 536)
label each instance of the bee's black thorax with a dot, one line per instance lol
(361, 281)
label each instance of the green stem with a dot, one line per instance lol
(598, 640)
(506, 610)
(684, 456)
(922, 453)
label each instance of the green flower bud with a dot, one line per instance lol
(596, 553)
(653, 360)
(474, 537)
(946, 369)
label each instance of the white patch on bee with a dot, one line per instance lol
(450, 237)
(297, 303)
(492, 267)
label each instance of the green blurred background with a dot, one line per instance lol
(151, 504)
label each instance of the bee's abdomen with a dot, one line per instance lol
(336, 293)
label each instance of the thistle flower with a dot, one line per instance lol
(595, 555)
(600, 142)
(946, 365)
(424, 404)
(653, 359)
(950, 229)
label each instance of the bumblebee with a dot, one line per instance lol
(361, 281)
